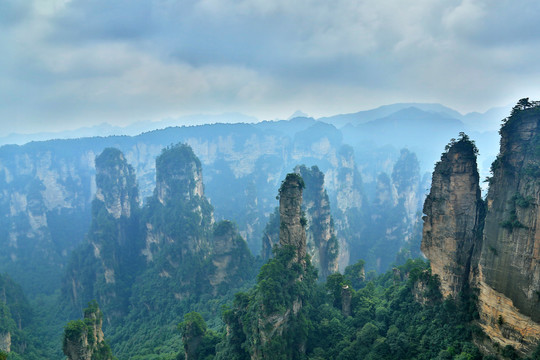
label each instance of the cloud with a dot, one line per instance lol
(70, 62)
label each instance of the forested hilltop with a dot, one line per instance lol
(157, 274)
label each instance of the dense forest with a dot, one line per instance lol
(339, 274)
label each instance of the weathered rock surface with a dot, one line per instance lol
(322, 243)
(84, 339)
(116, 185)
(453, 219)
(292, 228)
(345, 182)
(231, 258)
(179, 198)
(508, 271)
(112, 241)
(5, 341)
(500, 258)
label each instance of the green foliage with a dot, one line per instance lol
(292, 178)
(463, 143)
(81, 334)
(193, 325)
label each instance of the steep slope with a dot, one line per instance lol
(105, 266)
(84, 339)
(454, 214)
(322, 243)
(45, 211)
(270, 321)
(508, 272)
(189, 262)
(17, 322)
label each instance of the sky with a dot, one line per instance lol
(71, 63)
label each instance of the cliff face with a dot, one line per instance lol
(231, 258)
(113, 244)
(264, 323)
(497, 249)
(84, 339)
(453, 219)
(508, 271)
(116, 185)
(347, 201)
(178, 175)
(185, 215)
(292, 227)
(43, 198)
(322, 244)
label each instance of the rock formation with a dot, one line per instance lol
(116, 185)
(112, 241)
(84, 339)
(497, 253)
(508, 271)
(292, 227)
(269, 326)
(322, 244)
(348, 203)
(178, 175)
(453, 219)
(178, 213)
(231, 258)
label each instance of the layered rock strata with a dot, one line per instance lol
(292, 227)
(453, 219)
(508, 271)
(497, 253)
(322, 243)
(84, 339)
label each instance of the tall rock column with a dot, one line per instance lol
(292, 228)
(508, 272)
(453, 218)
(111, 253)
(322, 243)
(84, 339)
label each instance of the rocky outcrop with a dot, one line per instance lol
(495, 250)
(116, 185)
(178, 175)
(347, 201)
(84, 339)
(231, 258)
(5, 341)
(508, 271)
(292, 227)
(185, 215)
(322, 243)
(406, 180)
(112, 240)
(454, 213)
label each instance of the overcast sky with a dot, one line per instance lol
(65, 64)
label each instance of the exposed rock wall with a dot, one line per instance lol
(116, 185)
(5, 341)
(454, 216)
(186, 214)
(322, 243)
(347, 202)
(112, 240)
(178, 174)
(84, 339)
(292, 228)
(508, 271)
(499, 256)
(231, 258)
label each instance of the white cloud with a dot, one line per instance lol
(83, 61)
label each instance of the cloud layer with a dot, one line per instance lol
(71, 63)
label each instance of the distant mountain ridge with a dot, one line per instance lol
(487, 121)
